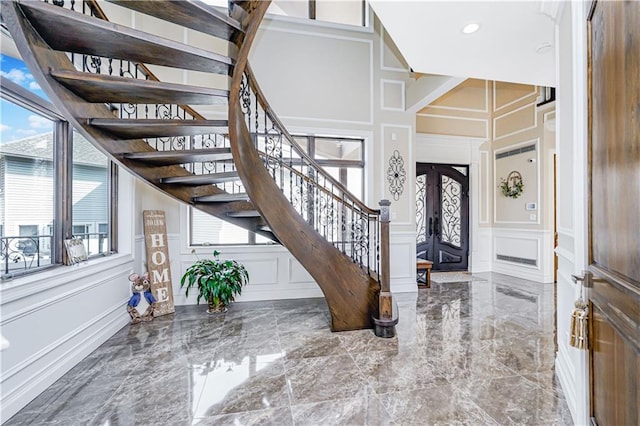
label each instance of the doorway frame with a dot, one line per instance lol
(442, 149)
(433, 208)
(572, 365)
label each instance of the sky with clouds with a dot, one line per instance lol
(17, 122)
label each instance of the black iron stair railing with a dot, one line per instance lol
(325, 203)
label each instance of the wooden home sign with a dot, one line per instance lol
(158, 265)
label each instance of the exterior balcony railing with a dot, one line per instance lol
(21, 253)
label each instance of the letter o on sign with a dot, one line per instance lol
(158, 258)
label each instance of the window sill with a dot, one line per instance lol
(16, 288)
(233, 249)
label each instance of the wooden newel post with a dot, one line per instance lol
(384, 326)
(386, 300)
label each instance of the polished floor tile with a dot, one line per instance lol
(442, 405)
(325, 378)
(364, 410)
(477, 353)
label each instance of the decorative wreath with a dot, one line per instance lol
(512, 186)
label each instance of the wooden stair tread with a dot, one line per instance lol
(70, 31)
(156, 128)
(206, 179)
(244, 213)
(221, 198)
(180, 157)
(191, 14)
(100, 88)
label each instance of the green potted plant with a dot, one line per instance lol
(218, 281)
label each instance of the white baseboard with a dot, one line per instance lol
(524, 272)
(404, 286)
(72, 348)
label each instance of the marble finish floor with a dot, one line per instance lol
(476, 353)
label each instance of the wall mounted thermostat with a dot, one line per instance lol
(531, 206)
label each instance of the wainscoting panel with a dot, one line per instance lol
(297, 274)
(481, 249)
(524, 253)
(273, 272)
(402, 249)
(64, 318)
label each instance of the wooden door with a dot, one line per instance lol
(614, 237)
(442, 215)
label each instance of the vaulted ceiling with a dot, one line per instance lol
(514, 42)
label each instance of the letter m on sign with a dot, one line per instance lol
(158, 264)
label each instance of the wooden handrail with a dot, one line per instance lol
(274, 118)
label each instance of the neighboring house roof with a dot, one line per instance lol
(41, 146)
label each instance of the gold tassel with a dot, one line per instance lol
(579, 325)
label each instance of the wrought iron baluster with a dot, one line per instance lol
(291, 176)
(257, 115)
(245, 101)
(5, 255)
(333, 223)
(367, 241)
(353, 230)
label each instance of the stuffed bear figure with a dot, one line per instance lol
(140, 286)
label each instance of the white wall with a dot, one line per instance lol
(571, 363)
(518, 232)
(314, 73)
(55, 318)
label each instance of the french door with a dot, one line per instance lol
(442, 215)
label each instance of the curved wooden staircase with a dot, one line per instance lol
(247, 170)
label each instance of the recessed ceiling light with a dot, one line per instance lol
(471, 28)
